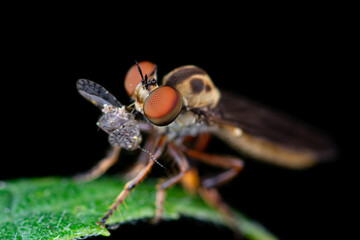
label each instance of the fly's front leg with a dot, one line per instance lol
(134, 182)
(101, 167)
(183, 165)
(142, 159)
(128, 187)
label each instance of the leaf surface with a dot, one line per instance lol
(59, 208)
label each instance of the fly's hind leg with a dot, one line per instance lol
(233, 165)
(207, 189)
(101, 167)
(213, 198)
(183, 165)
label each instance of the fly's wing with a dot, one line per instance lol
(268, 135)
(96, 94)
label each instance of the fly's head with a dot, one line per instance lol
(160, 105)
(123, 129)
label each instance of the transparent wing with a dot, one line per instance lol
(271, 126)
(96, 94)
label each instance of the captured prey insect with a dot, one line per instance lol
(179, 117)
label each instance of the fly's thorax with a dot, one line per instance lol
(195, 86)
(187, 123)
(185, 119)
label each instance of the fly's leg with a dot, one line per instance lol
(213, 198)
(208, 191)
(202, 141)
(101, 167)
(142, 159)
(233, 164)
(128, 187)
(191, 180)
(133, 183)
(183, 165)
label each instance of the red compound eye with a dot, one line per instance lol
(163, 105)
(133, 77)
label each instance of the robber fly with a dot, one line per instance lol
(180, 116)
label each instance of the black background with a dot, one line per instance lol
(294, 66)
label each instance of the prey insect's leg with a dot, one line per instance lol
(101, 167)
(134, 182)
(234, 164)
(183, 165)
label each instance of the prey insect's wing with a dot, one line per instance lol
(269, 135)
(96, 94)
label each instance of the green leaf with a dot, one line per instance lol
(59, 208)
